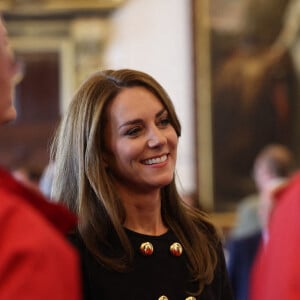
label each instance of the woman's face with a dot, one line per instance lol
(140, 141)
(8, 70)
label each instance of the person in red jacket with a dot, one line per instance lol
(36, 261)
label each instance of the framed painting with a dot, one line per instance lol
(246, 74)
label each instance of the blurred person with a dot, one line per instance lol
(276, 273)
(115, 157)
(271, 170)
(36, 261)
(247, 219)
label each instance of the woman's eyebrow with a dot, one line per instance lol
(138, 121)
(131, 122)
(160, 112)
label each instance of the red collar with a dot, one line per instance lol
(55, 213)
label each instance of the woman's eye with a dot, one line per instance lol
(133, 131)
(164, 122)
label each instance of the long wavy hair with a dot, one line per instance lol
(84, 185)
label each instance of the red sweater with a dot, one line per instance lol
(276, 273)
(36, 262)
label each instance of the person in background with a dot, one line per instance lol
(276, 273)
(272, 168)
(115, 156)
(36, 261)
(247, 220)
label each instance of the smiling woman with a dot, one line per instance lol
(141, 143)
(115, 156)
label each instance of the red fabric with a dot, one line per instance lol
(276, 272)
(36, 261)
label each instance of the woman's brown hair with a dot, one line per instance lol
(84, 184)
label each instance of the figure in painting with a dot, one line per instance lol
(254, 96)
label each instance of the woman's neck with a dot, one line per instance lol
(143, 212)
(145, 224)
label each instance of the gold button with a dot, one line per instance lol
(190, 298)
(176, 249)
(163, 297)
(146, 248)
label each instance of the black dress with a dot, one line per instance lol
(154, 276)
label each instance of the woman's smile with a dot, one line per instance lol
(156, 160)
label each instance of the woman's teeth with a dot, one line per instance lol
(155, 160)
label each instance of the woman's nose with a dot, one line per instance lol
(156, 138)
